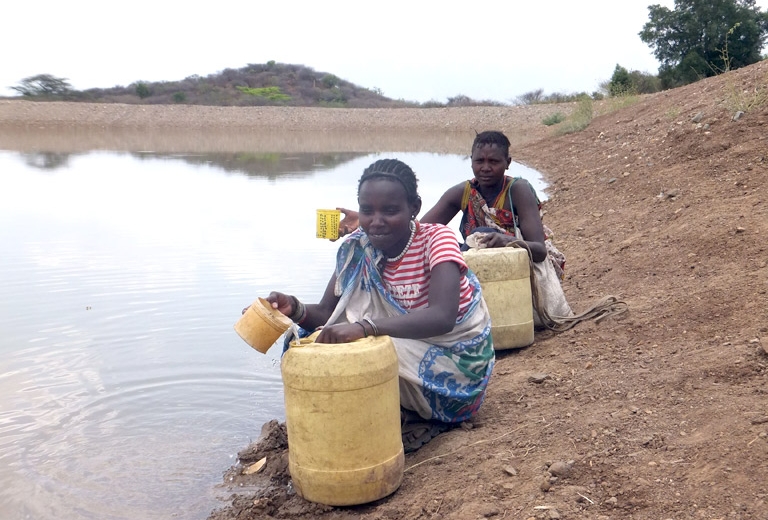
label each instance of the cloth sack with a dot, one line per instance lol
(549, 300)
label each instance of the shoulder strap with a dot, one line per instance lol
(509, 195)
(465, 196)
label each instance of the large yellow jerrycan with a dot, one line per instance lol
(342, 407)
(504, 275)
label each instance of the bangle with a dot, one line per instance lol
(365, 332)
(374, 328)
(299, 311)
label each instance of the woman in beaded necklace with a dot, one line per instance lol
(397, 277)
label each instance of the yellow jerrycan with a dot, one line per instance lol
(342, 408)
(504, 275)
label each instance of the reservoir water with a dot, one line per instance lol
(124, 391)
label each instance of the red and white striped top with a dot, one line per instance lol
(408, 279)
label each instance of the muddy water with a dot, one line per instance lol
(124, 391)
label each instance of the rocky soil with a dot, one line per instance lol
(659, 414)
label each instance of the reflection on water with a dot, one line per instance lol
(264, 164)
(124, 391)
(46, 160)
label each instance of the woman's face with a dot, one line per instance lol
(385, 214)
(489, 163)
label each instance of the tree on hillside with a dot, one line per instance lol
(43, 85)
(702, 38)
(620, 82)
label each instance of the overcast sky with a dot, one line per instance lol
(418, 50)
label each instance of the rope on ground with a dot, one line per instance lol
(605, 307)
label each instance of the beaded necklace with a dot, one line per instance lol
(407, 245)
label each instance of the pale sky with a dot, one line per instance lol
(414, 50)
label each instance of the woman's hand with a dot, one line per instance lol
(497, 240)
(341, 333)
(282, 302)
(349, 223)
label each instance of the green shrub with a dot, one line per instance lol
(619, 101)
(329, 81)
(270, 93)
(553, 119)
(179, 97)
(579, 119)
(142, 90)
(620, 83)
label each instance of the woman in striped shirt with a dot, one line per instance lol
(398, 277)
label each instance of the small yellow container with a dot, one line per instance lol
(342, 414)
(261, 325)
(504, 274)
(328, 223)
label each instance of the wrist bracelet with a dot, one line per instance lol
(299, 311)
(374, 328)
(365, 332)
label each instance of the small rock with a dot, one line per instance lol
(553, 514)
(612, 501)
(740, 229)
(538, 378)
(545, 485)
(491, 512)
(611, 180)
(737, 115)
(697, 118)
(560, 469)
(509, 470)
(759, 420)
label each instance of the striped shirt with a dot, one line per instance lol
(408, 279)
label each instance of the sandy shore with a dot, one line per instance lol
(72, 127)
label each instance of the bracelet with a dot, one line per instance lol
(299, 311)
(374, 328)
(365, 332)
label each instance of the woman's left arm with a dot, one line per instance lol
(529, 220)
(436, 319)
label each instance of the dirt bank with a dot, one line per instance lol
(71, 127)
(660, 414)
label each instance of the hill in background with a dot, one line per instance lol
(253, 85)
(267, 84)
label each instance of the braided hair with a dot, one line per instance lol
(395, 170)
(492, 137)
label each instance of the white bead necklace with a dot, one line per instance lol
(407, 245)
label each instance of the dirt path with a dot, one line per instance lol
(660, 414)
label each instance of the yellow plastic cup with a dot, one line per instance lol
(328, 223)
(261, 325)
